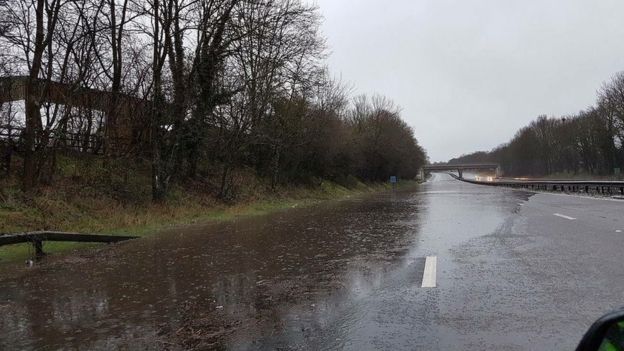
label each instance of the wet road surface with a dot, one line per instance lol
(511, 270)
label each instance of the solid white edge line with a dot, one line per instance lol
(429, 274)
(564, 216)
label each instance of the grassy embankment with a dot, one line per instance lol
(88, 196)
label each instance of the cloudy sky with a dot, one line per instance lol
(469, 73)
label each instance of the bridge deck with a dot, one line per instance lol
(14, 88)
(465, 166)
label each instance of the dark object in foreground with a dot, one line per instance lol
(37, 239)
(606, 334)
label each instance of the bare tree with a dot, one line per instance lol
(194, 86)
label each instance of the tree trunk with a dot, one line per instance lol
(33, 114)
(159, 189)
(275, 163)
(225, 187)
(29, 180)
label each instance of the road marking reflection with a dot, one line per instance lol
(429, 275)
(564, 216)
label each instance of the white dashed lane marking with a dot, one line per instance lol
(429, 275)
(564, 216)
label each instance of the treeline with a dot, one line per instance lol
(588, 142)
(226, 84)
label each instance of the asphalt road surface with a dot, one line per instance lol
(447, 266)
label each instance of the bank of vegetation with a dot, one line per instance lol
(90, 206)
(125, 113)
(586, 144)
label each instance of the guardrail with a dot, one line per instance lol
(37, 238)
(601, 187)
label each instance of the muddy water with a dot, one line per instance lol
(342, 275)
(261, 283)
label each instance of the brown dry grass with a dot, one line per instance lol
(114, 199)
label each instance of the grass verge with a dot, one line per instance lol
(71, 210)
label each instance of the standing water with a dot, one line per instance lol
(303, 278)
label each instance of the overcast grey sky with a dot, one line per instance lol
(469, 73)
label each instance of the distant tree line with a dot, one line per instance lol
(587, 142)
(229, 84)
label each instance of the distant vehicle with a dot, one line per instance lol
(484, 179)
(606, 334)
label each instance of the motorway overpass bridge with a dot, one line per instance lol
(461, 167)
(15, 88)
(125, 116)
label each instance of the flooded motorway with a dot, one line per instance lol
(343, 275)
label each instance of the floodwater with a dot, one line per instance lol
(342, 275)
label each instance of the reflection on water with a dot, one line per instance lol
(253, 283)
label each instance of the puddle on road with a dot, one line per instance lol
(226, 285)
(299, 279)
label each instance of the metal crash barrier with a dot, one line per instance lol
(607, 188)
